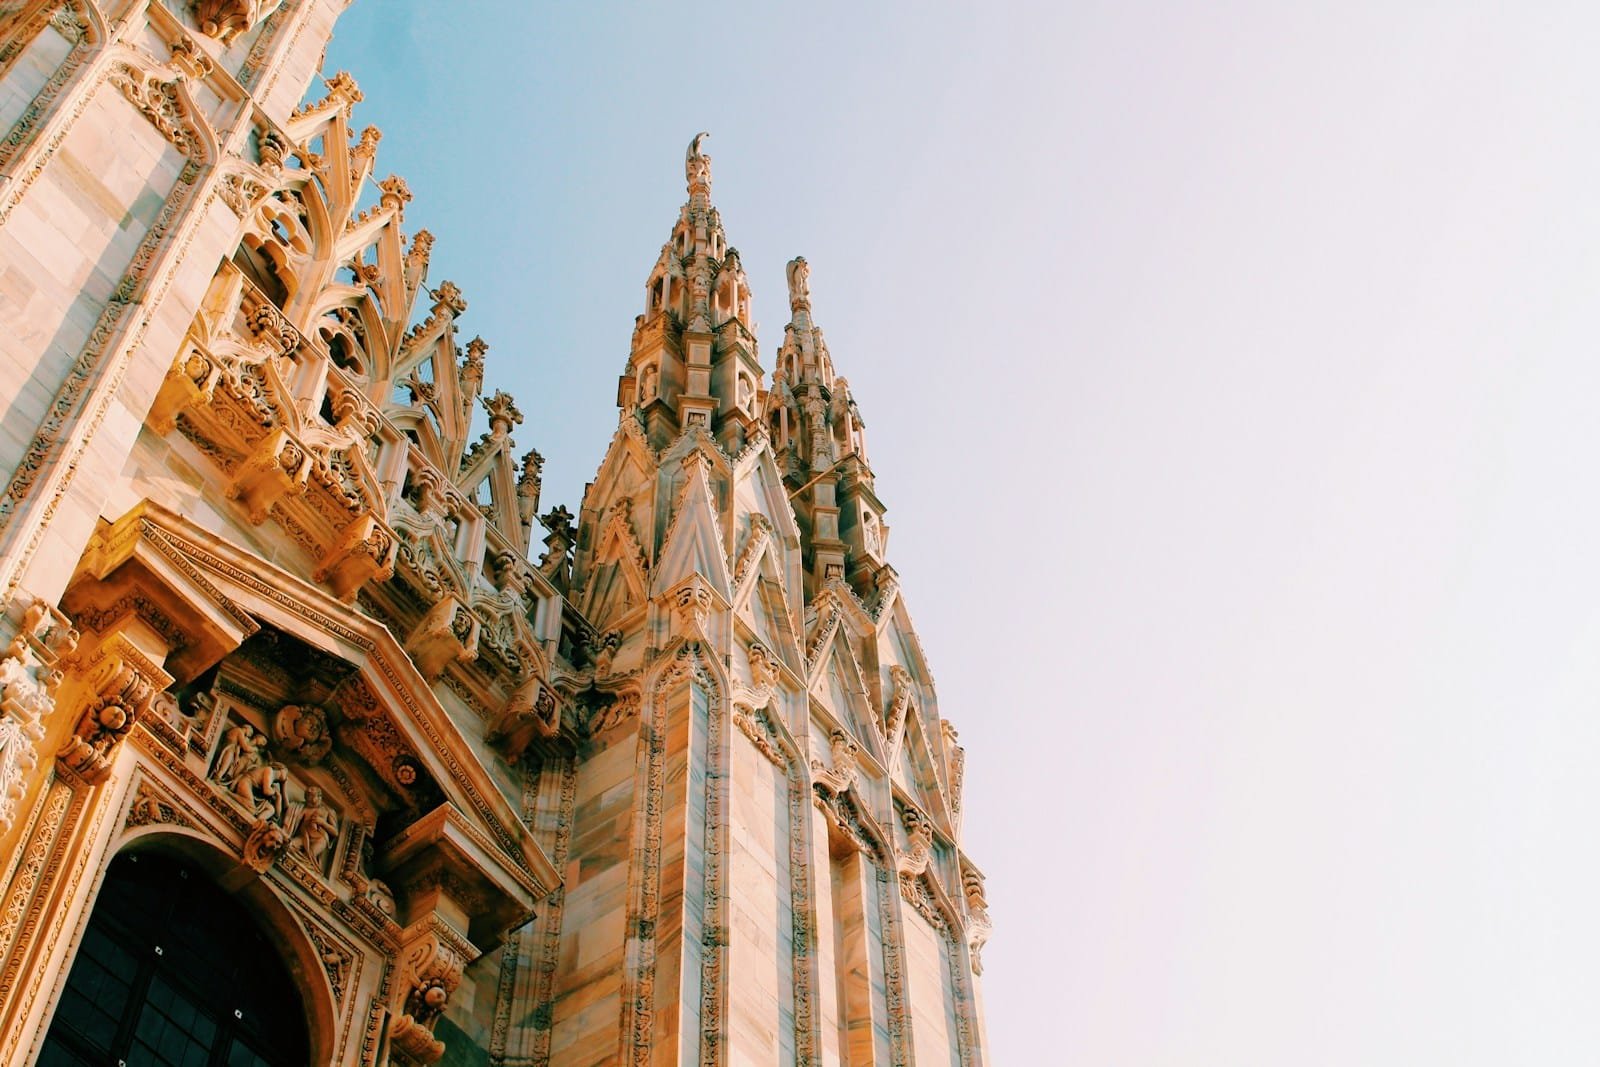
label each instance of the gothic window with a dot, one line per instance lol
(173, 970)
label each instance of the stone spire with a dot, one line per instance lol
(693, 360)
(820, 440)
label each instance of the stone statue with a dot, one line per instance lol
(261, 790)
(241, 753)
(697, 166)
(799, 283)
(319, 825)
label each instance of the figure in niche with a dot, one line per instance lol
(261, 790)
(319, 825)
(647, 384)
(242, 752)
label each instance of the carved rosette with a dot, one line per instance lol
(122, 682)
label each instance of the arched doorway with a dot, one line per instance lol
(174, 970)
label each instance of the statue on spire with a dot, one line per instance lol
(799, 284)
(697, 167)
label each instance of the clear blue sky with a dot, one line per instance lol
(1231, 376)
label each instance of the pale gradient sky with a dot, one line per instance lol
(1231, 375)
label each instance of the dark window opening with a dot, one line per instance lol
(173, 970)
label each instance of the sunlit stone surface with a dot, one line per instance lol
(419, 773)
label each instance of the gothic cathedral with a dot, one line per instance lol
(319, 743)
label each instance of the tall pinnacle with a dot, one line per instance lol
(820, 441)
(804, 375)
(693, 357)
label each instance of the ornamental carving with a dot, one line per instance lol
(899, 702)
(301, 732)
(430, 970)
(227, 19)
(759, 732)
(264, 844)
(760, 534)
(336, 960)
(913, 860)
(152, 806)
(843, 767)
(691, 606)
(121, 683)
(763, 671)
(978, 922)
(284, 815)
(621, 708)
(160, 102)
(28, 680)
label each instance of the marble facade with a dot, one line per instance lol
(661, 782)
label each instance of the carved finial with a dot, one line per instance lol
(448, 297)
(417, 256)
(799, 283)
(558, 522)
(528, 486)
(503, 413)
(343, 87)
(697, 167)
(367, 146)
(395, 193)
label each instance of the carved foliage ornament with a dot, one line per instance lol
(160, 102)
(227, 19)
